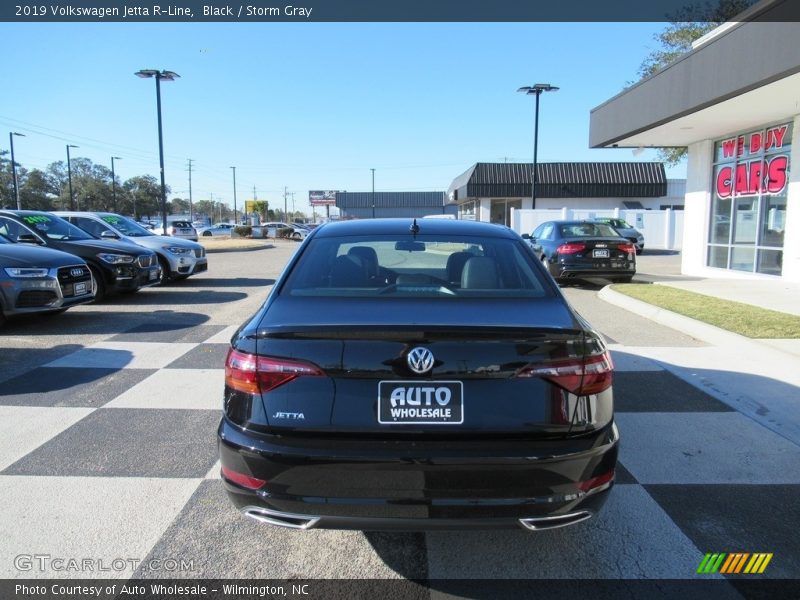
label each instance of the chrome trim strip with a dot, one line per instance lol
(281, 519)
(554, 522)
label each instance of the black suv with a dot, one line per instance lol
(115, 267)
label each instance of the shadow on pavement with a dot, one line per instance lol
(239, 282)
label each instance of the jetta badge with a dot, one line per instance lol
(420, 360)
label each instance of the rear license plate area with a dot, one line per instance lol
(420, 403)
(600, 253)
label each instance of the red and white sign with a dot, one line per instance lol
(320, 198)
(762, 174)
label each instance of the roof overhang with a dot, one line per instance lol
(743, 78)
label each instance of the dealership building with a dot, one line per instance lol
(734, 101)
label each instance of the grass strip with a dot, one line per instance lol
(744, 319)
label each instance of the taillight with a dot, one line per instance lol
(579, 376)
(258, 374)
(571, 248)
(596, 482)
(173, 231)
(627, 248)
(251, 483)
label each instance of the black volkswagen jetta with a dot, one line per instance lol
(417, 375)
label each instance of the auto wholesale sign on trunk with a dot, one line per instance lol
(753, 163)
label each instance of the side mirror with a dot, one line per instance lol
(29, 238)
(525, 236)
(109, 235)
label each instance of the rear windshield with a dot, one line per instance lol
(425, 266)
(574, 230)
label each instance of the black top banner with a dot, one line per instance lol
(304, 11)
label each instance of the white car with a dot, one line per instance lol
(219, 229)
(179, 229)
(298, 231)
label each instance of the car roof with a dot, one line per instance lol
(403, 226)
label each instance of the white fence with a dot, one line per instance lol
(662, 229)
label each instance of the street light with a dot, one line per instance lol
(373, 193)
(114, 182)
(235, 222)
(11, 135)
(536, 90)
(166, 76)
(69, 178)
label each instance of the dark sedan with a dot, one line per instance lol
(39, 280)
(115, 267)
(417, 375)
(583, 249)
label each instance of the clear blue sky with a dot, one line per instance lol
(312, 106)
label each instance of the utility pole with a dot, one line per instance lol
(235, 221)
(285, 211)
(373, 193)
(292, 193)
(191, 206)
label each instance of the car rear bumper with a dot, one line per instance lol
(578, 272)
(412, 485)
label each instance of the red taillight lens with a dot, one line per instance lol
(627, 248)
(258, 374)
(572, 248)
(581, 377)
(172, 231)
(596, 482)
(251, 483)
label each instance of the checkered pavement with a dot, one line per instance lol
(109, 453)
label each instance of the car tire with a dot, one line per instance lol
(296, 236)
(98, 285)
(639, 251)
(626, 279)
(165, 273)
(207, 234)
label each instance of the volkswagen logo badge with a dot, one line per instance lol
(420, 360)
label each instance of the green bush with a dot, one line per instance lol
(243, 230)
(285, 232)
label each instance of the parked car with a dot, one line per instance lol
(415, 375)
(298, 231)
(40, 280)
(622, 227)
(180, 229)
(220, 229)
(579, 249)
(178, 258)
(115, 266)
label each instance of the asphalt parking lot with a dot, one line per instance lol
(107, 451)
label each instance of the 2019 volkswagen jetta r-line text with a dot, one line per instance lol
(417, 375)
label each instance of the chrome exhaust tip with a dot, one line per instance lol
(281, 519)
(542, 523)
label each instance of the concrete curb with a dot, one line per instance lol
(697, 329)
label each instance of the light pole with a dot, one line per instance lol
(373, 193)
(166, 76)
(114, 182)
(191, 206)
(69, 178)
(536, 90)
(235, 222)
(11, 135)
